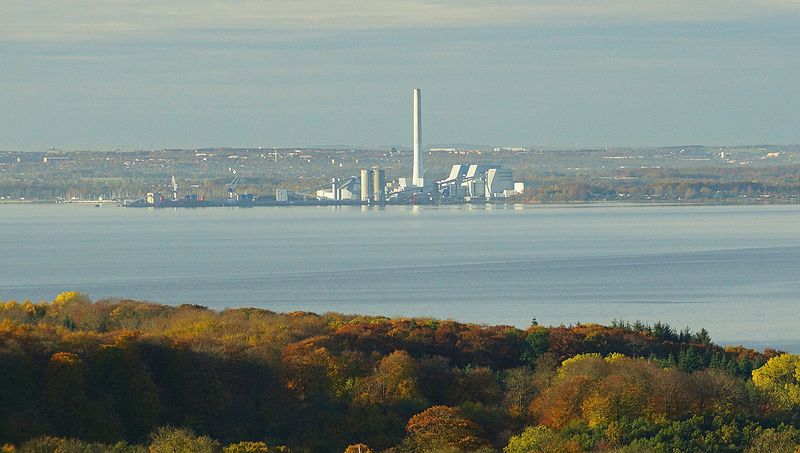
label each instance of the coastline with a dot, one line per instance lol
(563, 204)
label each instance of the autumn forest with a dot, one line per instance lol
(78, 375)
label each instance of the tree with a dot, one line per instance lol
(65, 393)
(68, 297)
(561, 403)
(473, 384)
(615, 398)
(664, 331)
(589, 364)
(61, 445)
(34, 311)
(519, 390)
(538, 439)
(308, 370)
(702, 337)
(776, 441)
(670, 391)
(780, 378)
(690, 360)
(442, 427)
(253, 447)
(357, 448)
(536, 344)
(717, 392)
(181, 440)
(393, 381)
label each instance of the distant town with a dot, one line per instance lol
(396, 175)
(746, 174)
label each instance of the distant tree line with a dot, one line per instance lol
(716, 185)
(52, 187)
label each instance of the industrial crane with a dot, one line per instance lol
(232, 196)
(174, 189)
(236, 199)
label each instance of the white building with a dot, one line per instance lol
(282, 195)
(347, 189)
(477, 181)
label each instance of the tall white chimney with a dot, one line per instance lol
(417, 173)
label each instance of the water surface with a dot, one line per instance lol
(734, 270)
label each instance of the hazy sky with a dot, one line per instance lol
(100, 74)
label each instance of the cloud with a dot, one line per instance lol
(50, 20)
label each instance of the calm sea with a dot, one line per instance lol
(733, 270)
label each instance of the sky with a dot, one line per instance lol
(127, 74)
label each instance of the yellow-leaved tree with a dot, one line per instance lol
(69, 297)
(780, 378)
(358, 448)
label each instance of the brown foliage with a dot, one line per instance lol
(440, 427)
(394, 380)
(601, 391)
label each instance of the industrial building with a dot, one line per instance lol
(465, 182)
(340, 190)
(282, 195)
(471, 181)
(369, 188)
(373, 185)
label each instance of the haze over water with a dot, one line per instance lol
(732, 270)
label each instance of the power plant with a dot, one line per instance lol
(466, 182)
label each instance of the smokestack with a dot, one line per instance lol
(417, 173)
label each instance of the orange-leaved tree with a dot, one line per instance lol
(443, 427)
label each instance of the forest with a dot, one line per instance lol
(78, 375)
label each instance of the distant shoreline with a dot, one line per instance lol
(565, 204)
